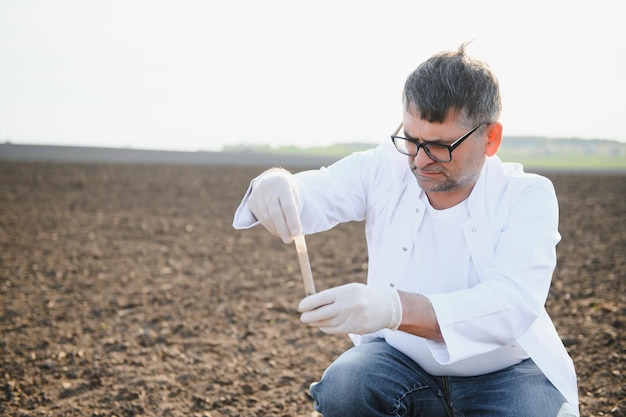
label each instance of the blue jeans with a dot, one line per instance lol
(375, 379)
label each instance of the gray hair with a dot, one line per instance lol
(453, 81)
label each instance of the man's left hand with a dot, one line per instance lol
(352, 308)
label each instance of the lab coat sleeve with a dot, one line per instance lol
(333, 195)
(514, 283)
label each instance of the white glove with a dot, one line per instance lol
(352, 308)
(274, 201)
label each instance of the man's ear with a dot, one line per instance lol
(494, 138)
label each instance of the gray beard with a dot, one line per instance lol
(446, 184)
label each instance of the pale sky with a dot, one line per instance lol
(196, 75)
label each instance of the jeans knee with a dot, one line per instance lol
(342, 392)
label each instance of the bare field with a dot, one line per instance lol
(125, 292)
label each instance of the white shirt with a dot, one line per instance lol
(510, 233)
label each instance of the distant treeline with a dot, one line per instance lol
(532, 152)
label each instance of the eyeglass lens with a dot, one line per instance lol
(433, 150)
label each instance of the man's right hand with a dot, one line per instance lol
(274, 201)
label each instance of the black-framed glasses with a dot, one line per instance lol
(436, 151)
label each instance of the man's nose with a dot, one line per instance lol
(422, 159)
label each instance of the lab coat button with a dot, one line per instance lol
(417, 210)
(473, 229)
(404, 249)
(391, 284)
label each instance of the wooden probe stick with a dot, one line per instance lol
(305, 265)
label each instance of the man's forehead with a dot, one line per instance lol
(415, 127)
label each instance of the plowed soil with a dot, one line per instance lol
(124, 291)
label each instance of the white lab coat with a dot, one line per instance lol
(511, 235)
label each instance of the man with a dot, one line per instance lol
(461, 253)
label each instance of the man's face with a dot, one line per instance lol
(446, 183)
